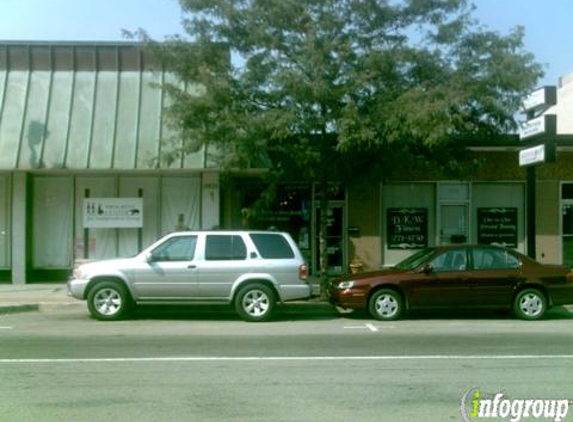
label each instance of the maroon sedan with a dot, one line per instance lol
(457, 277)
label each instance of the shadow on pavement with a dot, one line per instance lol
(288, 312)
(555, 313)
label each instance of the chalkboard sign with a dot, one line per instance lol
(497, 226)
(407, 228)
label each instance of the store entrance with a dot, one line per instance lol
(567, 232)
(334, 239)
(453, 224)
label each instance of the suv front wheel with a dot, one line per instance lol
(255, 302)
(109, 301)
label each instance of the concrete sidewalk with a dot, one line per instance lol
(34, 297)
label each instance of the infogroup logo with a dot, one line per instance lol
(478, 405)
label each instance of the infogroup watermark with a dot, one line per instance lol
(478, 405)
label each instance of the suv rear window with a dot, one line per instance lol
(272, 246)
(225, 248)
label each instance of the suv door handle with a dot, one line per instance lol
(192, 267)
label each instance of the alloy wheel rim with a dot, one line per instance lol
(107, 302)
(256, 303)
(531, 305)
(386, 306)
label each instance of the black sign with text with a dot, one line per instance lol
(407, 228)
(497, 226)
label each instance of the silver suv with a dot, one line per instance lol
(251, 269)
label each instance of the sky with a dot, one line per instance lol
(547, 23)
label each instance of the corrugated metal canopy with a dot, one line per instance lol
(83, 106)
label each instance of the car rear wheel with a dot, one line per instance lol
(386, 305)
(255, 302)
(530, 304)
(109, 301)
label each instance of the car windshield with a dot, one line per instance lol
(414, 261)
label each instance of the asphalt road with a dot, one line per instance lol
(199, 366)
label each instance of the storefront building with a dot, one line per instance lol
(82, 130)
(82, 127)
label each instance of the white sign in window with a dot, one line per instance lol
(113, 213)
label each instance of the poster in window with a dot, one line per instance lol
(407, 228)
(113, 213)
(497, 226)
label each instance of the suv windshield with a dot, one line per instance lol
(414, 261)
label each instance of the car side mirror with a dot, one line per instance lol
(427, 269)
(150, 258)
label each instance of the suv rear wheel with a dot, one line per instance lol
(109, 301)
(255, 302)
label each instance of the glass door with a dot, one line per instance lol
(334, 239)
(453, 224)
(567, 232)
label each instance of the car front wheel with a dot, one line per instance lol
(255, 302)
(530, 304)
(386, 305)
(109, 301)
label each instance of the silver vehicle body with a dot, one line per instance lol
(197, 279)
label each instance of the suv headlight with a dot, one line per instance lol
(346, 284)
(80, 273)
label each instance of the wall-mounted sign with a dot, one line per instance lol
(542, 125)
(497, 226)
(407, 228)
(113, 212)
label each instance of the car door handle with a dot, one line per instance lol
(192, 267)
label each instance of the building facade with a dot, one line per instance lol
(79, 124)
(82, 131)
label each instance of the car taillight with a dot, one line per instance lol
(303, 272)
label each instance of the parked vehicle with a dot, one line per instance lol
(252, 270)
(457, 277)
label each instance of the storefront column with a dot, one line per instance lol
(531, 234)
(19, 234)
(210, 200)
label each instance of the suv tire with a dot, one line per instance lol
(255, 302)
(109, 301)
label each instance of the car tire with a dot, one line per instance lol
(386, 305)
(530, 304)
(109, 301)
(255, 303)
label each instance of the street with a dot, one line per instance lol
(61, 365)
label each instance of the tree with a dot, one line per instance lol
(324, 89)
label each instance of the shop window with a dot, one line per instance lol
(454, 192)
(567, 191)
(53, 211)
(567, 223)
(4, 223)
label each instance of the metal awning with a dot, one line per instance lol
(83, 106)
